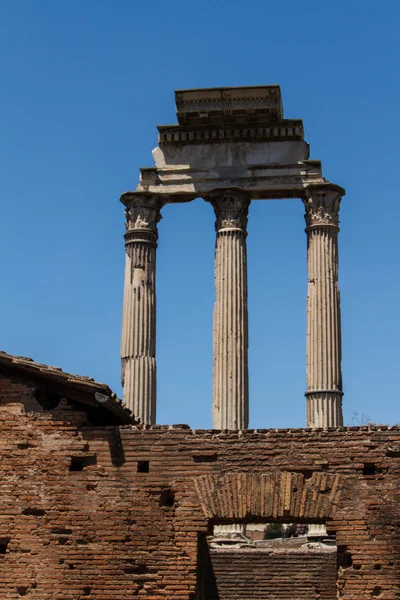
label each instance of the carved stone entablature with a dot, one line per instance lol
(322, 203)
(231, 208)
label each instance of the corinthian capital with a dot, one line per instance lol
(142, 211)
(231, 208)
(322, 203)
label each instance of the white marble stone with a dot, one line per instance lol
(138, 342)
(324, 352)
(260, 181)
(212, 156)
(230, 374)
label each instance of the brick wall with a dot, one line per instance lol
(257, 574)
(118, 512)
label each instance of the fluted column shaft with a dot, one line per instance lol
(138, 344)
(230, 374)
(324, 352)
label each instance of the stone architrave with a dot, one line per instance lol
(230, 374)
(138, 344)
(323, 356)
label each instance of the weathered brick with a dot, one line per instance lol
(101, 531)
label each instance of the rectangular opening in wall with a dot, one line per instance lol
(370, 469)
(143, 466)
(4, 541)
(78, 463)
(200, 457)
(279, 562)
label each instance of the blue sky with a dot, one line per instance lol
(84, 85)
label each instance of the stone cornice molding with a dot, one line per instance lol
(284, 130)
(231, 209)
(142, 215)
(322, 204)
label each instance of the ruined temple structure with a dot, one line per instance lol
(232, 146)
(98, 502)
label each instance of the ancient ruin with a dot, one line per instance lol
(98, 501)
(232, 146)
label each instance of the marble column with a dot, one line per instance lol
(324, 352)
(138, 344)
(230, 375)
